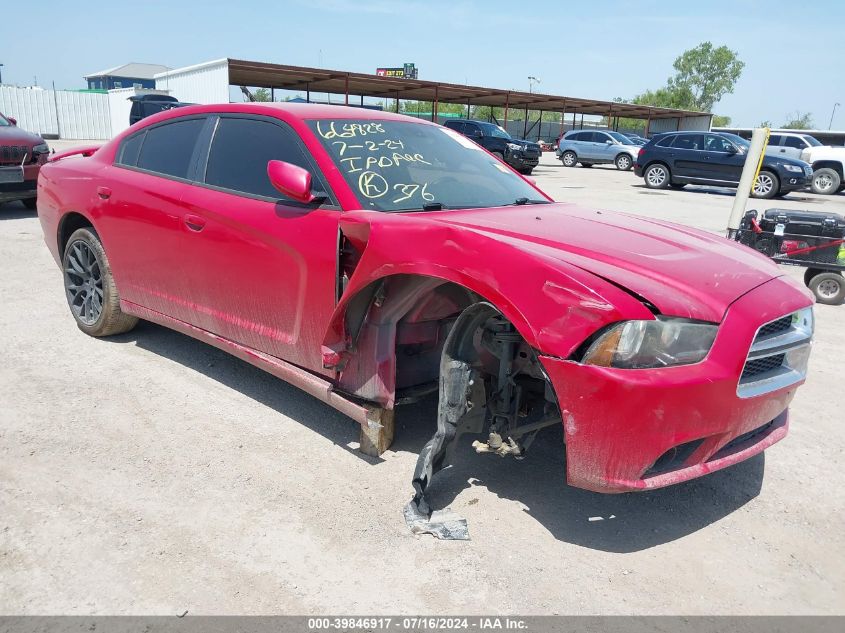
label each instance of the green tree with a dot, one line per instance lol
(708, 73)
(721, 121)
(261, 94)
(766, 123)
(799, 121)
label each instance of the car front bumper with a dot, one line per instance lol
(791, 181)
(631, 430)
(10, 191)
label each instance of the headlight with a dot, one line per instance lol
(647, 344)
(514, 147)
(793, 168)
(41, 148)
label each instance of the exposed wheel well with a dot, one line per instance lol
(68, 224)
(830, 164)
(658, 162)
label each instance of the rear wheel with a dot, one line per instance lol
(569, 159)
(499, 155)
(766, 186)
(527, 171)
(89, 286)
(623, 162)
(656, 176)
(825, 181)
(829, 288)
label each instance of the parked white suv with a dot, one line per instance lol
(828, 162)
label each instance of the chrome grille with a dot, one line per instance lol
(778, 355)
(13, 154)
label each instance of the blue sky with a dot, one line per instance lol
(585, 49)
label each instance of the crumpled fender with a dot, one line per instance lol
(555, 306)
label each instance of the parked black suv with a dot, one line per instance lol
(521, 155)
(147, 105)
(676, 159)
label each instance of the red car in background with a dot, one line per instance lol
(369, 257)
(21, 155)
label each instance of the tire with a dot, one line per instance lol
(623, 162)
(657, 176)
(29, 203)
(499, 155)
(569, 158)
(829, 288)
(527, 171)
(810, 273)
(766, 186)
(677, 185)
(826, 181)
(87, 276)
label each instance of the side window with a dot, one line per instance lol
(472, 130)
(666, 141)
(241, 150)
(458, 126)
(689, 141)
(717, 144)
(775, 140)
(575, 137)
(795, 141)
(129, 150)
(167, 149)
(600, 137)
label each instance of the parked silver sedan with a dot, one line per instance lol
(594, 147)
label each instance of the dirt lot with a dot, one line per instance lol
(151, 473)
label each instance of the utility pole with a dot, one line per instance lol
(531, 81)
(1, 74)
(830, 125)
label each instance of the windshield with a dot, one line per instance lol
(495, 131)
(4, 121)
(405, 166)
(620, 137)
(813, 141)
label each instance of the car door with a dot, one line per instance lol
(793, 146)
(264, 265)
(142, 215)
(774, 146)
(724, 160)
(689, 156)
(603, 147)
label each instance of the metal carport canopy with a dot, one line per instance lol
(264, 75)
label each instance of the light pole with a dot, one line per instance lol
(531, 81)
(1, 74)
(830, 125)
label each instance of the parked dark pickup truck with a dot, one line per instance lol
(21, 155)
(147, 105)
(522, 155)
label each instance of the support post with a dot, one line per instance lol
(467, 108)
(540, 127)
(308, 93)
(525, 123)
(750, 170)
(397, 102)
(273, 95)
(434, 107)
(507, 103)
(648, 123)
(582, 120)
(346, 91)
(377, 432)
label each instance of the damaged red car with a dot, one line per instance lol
(369, 258)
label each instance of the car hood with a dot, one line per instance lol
(774, 158)
(13, 135)
(681, 271)
(522, 141)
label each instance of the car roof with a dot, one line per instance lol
(303, 111)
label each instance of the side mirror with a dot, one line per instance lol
(731, 149)
(291, 180)
(12, 120)
(608, 142)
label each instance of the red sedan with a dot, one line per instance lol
(369, 258)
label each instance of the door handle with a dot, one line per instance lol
(194, 222)
(104, 193)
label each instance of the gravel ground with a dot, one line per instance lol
(153, 474)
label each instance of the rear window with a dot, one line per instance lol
(666, 141)
(167, 149)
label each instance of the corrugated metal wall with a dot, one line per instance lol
(204, 83)
(63, 113)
